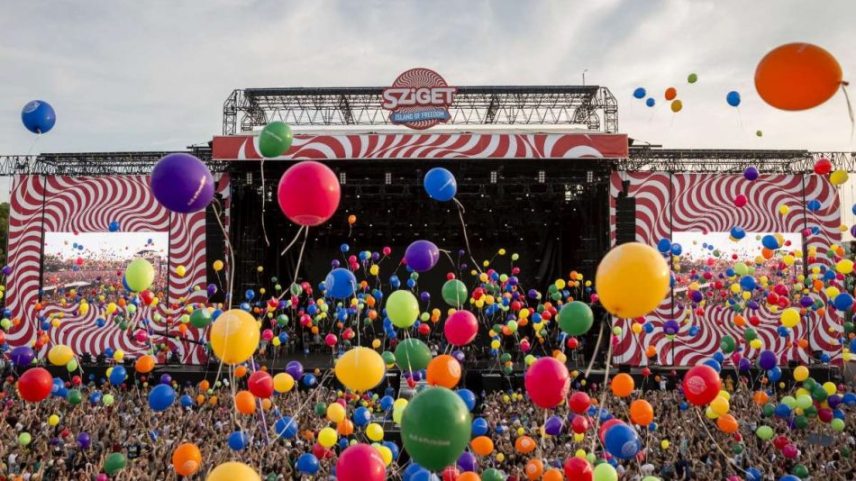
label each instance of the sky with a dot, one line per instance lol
(695, 245)
(104, 245)
(130, 75)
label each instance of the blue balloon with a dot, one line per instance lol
(250, 294)
(782, 411)
(639, 93)
(849, 399)
(468, 397)
(479, 426)
(753, 474)
(664, 245)
(719, 357)
(362, 416)
(161, 397)
(38, 116)
(118, 375)
(285, 427)
(774, 374)
(309, 380)
(770, 242)
(789, 477)
(622, 441)
(307, 463)
(747, 283)
(386, 403)
(186, 401)
(238, 440)
(737, 232)
(843, 301)
(95, 397)
(677, 249)
(650, 102)
(114, 226)
(440, 184)
(393, 448)
(813, 205)
(341, 283)
(733, 98)
(713, 364)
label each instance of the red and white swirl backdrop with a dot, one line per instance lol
(669, 203)
(88, 204)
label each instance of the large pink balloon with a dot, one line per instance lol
(360, 462)
(308, 193)
(547, 382)
(461, 328)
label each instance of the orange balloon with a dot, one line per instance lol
(468, 476)
(444, 370)
(797, 76)
(739, 321)
(727, 424)
(671, 93)
(240, 371)
(213, 400)
(204, 385)
(345, 427)
(200, 399)
(145, 364)
(482, 445)
(641, 412)
(245, 402)
(766, 253)
(651, 351)
(534, 469)
(186, 459)
(553, 475)
(803, 343)
(524, 444)
(622, 385)
(760, 398)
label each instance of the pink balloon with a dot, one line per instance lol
(740, 200)
(790, 451)
(461, 328)
(101, 477)
(547, 382)
(360, 462)
(330, 340)
(308, 193)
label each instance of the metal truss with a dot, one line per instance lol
(94, 163)
(592, 106)
(730, 161)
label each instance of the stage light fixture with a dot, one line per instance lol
(589, 176)
(249, 178)
(542, 176)
(343, 178)
(493, 175)
(387, 178)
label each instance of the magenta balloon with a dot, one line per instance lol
(547, 382)
(422, 255)
(360, 462)
(461, 328)
(309, 193)
(182, 183)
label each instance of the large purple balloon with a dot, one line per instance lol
(767, 360)
(182, 183)
(295, 369)
(22, 356)
(422, 255)
(468, 462)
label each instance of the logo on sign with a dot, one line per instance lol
(419, 98)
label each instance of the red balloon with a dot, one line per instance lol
(580, 424)
(360, 462)
(260, 384)
(823, 166)
(461, 328)
(579, 402)
(450, 474)
(701, 385)
(547, 382)
(604, 427)
(578, 469)
(309, 193)
(35, 384)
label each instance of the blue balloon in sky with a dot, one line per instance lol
(733, 98)
(664, 245)
(161, 397)
(650, 102)
(38, 116)
(440, 184)
(639, 93)
(341, 283)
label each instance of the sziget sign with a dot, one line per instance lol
(419, 98)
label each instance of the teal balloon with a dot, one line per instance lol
(114, 463)
(435, 428)
(200, 318)
(455, 293)
(576, 318)
(275, 139)
(412, 355)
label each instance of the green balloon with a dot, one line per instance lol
(295, 289)
(727, 344)
(107, 400)
(741, 269)
(139, 275)
(692, 78)
(819, 394)
(736, 448)
(455, 293)
(388, 358)
(768, 410)
(320, 409)
(493, 474)
(402, 308)
(801, 422)
(804, 401)
(605, 472)
(74, 397)
(412, 355)
(789, 401)
(114, 463)
(749, 334)
(282, 320)
(837, 425)
(200, 318)
(72, 365)
(800, 471)
(433, 443)
(576, 318)
(5, 324)
(275, 139)
(764, 432)
(24, 439)
(810, 411)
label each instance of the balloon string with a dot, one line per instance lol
(715, 443)
(264, 201)
(290, 244)
(602, 396)
(849, 108)
(596, 348)
(461, 212)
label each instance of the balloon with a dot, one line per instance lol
(622, 441)
(444, 370)
(461, 328)
(440, 184)
(35, 384)
(234, 336)
(727, 424)
(639, 93)
(139, 275)
(797, 76)
(341, 283)
(547, 382)
(114, 463)
(480, 426)
(412, 355)
(482, 445)
(838, 177)
(576, 318)
(294, 369)
(455, 293)
(605, 472)
(374, 432)
(622, 385)
(233, 471)
(260, 384)
(402, 308)
(676, 106)
(632, 280)
(283, 382)
(360, 369)
(161, 397)
(421, 255)
(145, 364)
(327, 437)
(764, 432)
(22, 356)
(433, 444)
(641, 412)
(245, 402)
(790, 317)
(692, 78)
(493, 474)
(38, 116)
(650, 102)
(186, 459)
(237, 440)
(733, 98)
(285, 427)
(200, 318)
(670, 93)
(275, 139)
(60, 355)
(578, 469)
(579, 402)
(800, 373)
(468, 397)
(182, 183)
(701, 385)
(360, 462)
(309, 193)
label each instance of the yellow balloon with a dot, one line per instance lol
(283, 382)
(385, 453)
(632, 280)
(720, 406)
(500, 457)
(710, 413)
(397, 414)
(53, 420)
(844, 266)
(60, 355)
(790, 317)
(838, 177)
(830, 388)
(181, 270)
(756, 343)
(118, 355)
(234, 336)
(233, 471)
(725, 394)
(375, 343)
(664, 444)
(374, 431)
(327, 437)
(784, 209)
(580, 453)
(218, 265)
(335, 412)
(800, 373)
(360, 369)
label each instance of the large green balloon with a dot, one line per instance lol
(576, 318)
(455, 293)
(412, 355)
(402, 308)
(435, 428)
(114, 463)
(140, 274)
(727, 344)
(200, 318)
(493, 474)
(275, 139)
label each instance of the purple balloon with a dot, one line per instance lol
(459, 355)
(182, 183)
(83, 440)
(212, 289)
(7, 270)
(806, 301)
(468, 462)
(295, 369)
(422, 255)
(671, 327)
(751, 173)
(425, 296)
(767, 360)
(744, 365)
(165, 379)
(553, 426)
(22, 356)
(834, 401)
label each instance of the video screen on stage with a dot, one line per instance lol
(95, 261)
(717, 251)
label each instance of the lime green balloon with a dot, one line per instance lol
(107, 400)
(837, 425)
(435, 428)
(764, 432)
(5, 323)
(455, 293)
(691, 78)
(402, 308)
(114, 463)
(493, 474)
(24, 439)
(605, 472)
(412, 355)
(275, 139)
(789, 401)
(72, 365)
(804, 401)
(139, 275)
(576, 318)
(200, 318)
(741, 269)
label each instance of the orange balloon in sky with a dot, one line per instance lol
(641, 412)
(245, 402)
(444, 370)
(622, 385)
(553, 475)
(186, 459)
(534, 469)
(727, 424)
(145, 364)
(797, 76)
(671, 93)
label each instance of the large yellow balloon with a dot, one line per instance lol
(800, 373)
(283, 382)
(327, 437)
(374, 432)
(632, 280)
(790, 317)
(234, 336)
(233, 471)
(360, 369)
(838, 177)
(60, 355)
